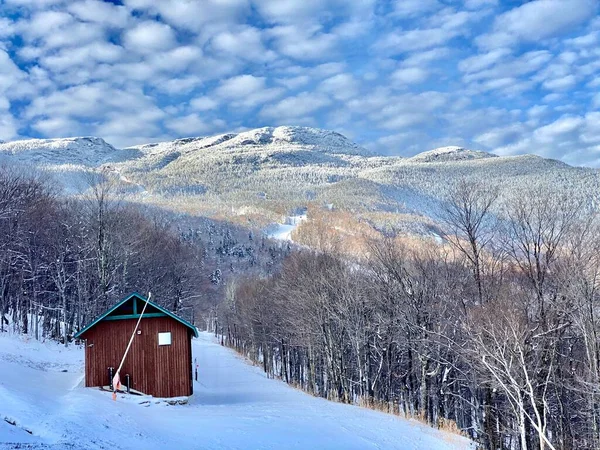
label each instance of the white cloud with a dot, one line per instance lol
(564, 125)
(247, 91)
(180, 85)
(74, 35)
(176, 59)
(295, 106)
(423, 58)
(95, 109)
(10, 73)
(7, 27)
(242, 42)
(501, 71)
(288, 10)
(240, 86)
(478, 4)
(86, 55)
(398, 112)
(498, 137)
(404, 41)
(303, 11)
(405, 143)
(8, 126)
(353, 29)
(34, 4)
(409, 75)
(149, 36)
(44, 23)
(193, 15)
(573, 138)
(204, 103)
(123, 124)
(341, 87)
(302, 42)
(560, 84)
(405, 120)
(190, 125)
(585, 40)
(537, 111)
(326, 69)
(294, 82)
(437, 31)
(539, 19)
(111, 15)
(479, 62)
(57, 126)
(412, 8)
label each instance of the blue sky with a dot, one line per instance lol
(396, 76)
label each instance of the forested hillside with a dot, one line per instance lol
(496, 329)
(64, 260)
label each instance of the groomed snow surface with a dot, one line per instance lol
(283, 231)
(234, 407)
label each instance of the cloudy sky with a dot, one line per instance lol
(399, 77)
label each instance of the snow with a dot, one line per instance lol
(87, 151)
(266, 138)
(68, 161)
(283, 231)
(450, 153)
(234, 407)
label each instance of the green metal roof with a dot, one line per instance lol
(144, 299)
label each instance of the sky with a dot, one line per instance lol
(398, 77)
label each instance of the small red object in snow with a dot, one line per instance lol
(116, 385)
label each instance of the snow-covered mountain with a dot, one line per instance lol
(85, 151)
(451, 153)
(268, 172)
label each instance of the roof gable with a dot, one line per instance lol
(153, 310)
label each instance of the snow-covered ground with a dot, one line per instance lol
(234, 407)
(283, 231)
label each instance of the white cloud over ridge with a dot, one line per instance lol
(414, 74)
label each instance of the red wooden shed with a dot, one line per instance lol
(159, 362)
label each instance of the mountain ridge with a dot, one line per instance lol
(274, 170)
(319, 139)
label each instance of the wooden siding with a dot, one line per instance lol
(161, 371)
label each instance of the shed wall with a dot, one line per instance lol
(161, 371)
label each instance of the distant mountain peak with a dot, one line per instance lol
(451, 153)
(318, 139)
(58, 142)
(287, 138)
(85, 150)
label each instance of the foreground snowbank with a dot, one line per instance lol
(43, 405)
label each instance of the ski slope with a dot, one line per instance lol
(234, 407)
(283, 231)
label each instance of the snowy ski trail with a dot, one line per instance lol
(234, 406)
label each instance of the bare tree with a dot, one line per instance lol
(470, 222)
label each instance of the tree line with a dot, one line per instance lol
(65, 260)
(495, 329)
